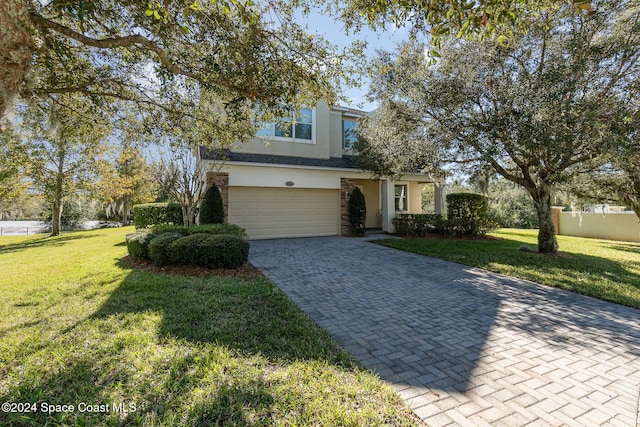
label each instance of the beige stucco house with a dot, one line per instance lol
(294, 181)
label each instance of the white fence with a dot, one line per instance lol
(609, 226)
(21, 228)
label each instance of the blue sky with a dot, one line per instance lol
(334, 32)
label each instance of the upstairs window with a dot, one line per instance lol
(349, 136)
(298, 126)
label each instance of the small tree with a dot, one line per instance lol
(357, 210)
(212, 208)
(183, 176)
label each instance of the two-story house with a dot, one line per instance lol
(294, 180)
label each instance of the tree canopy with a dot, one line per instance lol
(538, 110)
(236, 51)
(463, 18)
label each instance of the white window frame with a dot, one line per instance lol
(271, 127)
(406, 196)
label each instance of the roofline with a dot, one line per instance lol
(284, 166)
(416, 177)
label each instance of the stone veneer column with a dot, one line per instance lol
(221, 180)
(346, 186)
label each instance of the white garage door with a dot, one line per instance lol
(268, 213)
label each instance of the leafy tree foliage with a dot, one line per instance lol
(65, 142)
(616, 177)
(13, 166)
(128, 182)
(510, 205)
(538, 111)
(462, 18)
(236, 51)
(212, 207)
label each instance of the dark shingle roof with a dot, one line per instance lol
(346, 162)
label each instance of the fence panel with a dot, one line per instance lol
(610, 226)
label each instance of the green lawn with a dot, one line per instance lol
(77, 327)
(600, 268)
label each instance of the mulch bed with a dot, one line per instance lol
(247, 270)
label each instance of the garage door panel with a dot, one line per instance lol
(284, 212)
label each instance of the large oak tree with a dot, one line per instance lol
(538, 110)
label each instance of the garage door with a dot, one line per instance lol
(268, 213)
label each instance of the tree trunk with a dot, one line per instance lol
(16, 49)
(633, 198)
(56, 214)
(547, 243)
(126, 208)
(56, 217)
(187, 215)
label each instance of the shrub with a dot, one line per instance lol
(223, 251)
(185, 250)
(467, 213)
(418, 225)
(159, 248)
(212, 208)
(225, 228)
(148, 214)
(357, 211)
(138, 243)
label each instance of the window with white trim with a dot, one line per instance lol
(349, 135)
(296, 127)
(401, 197)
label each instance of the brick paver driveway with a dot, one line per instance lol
(463, 346)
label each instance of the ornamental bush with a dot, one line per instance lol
(159, 248)
(225, 228)
(186, 250)
(223, 251)
(357, 211)
(148, 214)
(211, 207)
(418, 225)
(138, 243)
(467, 214)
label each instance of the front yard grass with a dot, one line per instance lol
(126, 347)
(602, 269)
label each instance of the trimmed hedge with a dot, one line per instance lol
(214, 245)
(148, 214)
(223, 251)
(212, 207)
(159, 248)
(419, 225)
(468, 212)
(226, 228)
(186, 250)
(138, 243)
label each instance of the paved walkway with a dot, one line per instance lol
(463, 346)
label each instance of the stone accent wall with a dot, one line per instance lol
(221, 180)
(346, 186)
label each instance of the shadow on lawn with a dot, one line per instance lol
(249, 316)
(46, 241)
(161, 401)
(246, 314)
